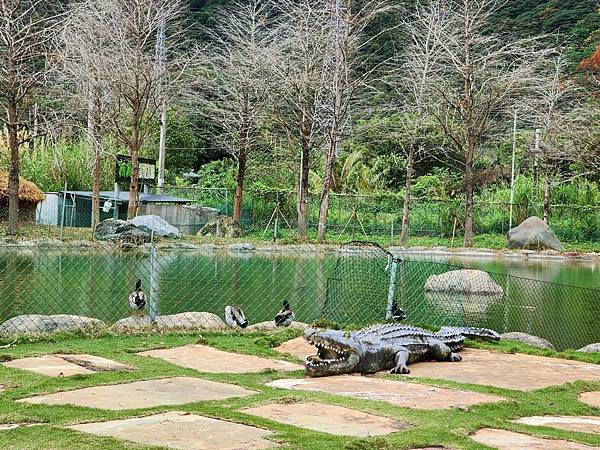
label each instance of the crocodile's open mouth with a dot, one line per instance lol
(330, 356)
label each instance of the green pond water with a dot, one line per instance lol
(347, 290)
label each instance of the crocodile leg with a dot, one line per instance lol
(402, 355)
(441, 352)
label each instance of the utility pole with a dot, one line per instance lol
(536, 153)
(161, 56)
(512, 173)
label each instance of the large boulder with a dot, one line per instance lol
(529, 339)
(114, 230)
(157, 224)
(464, 281)
(271, 326)
(40, 324)
(592, 348)
(534, 234)
(184, 321)
(221, 226)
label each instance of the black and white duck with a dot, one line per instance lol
(137, 299)
(235, 317)
(285, 316)
(398, 313)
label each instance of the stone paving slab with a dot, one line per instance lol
(182, 431)
(508, 440)
(328, 419)
(209, 359)
(49, 365)
(591, 398)
(584, 424)
(409, 395)
(143, 394)
(58, 365)
(510, 371)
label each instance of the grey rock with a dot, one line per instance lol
(534, 234)
(270, 326)
(528, 339)
(37, 323)
(121, 230)
(157, 224)
(243, 247)
(184, 321)
(221, 226)
(592, 348)
(464, 281)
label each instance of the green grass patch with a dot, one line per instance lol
(450, 428)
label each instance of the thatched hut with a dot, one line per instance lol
(29, 196)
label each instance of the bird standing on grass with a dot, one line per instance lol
(137, 299)
(285, 316)
(234, 317)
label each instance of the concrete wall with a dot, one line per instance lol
(189, 219)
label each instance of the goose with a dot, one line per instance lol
(234, 316)
(137, 299)
(285, 316)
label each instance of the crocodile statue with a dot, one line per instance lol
(385, 347)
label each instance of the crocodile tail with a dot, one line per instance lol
(473, 333)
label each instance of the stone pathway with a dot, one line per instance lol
(209, 359)
(509, 371)
(328, 419)
(59, 365)
(584, 424)
(591, 398)
(409, 395)
(182, 431)
(143, 394)
(508, 440)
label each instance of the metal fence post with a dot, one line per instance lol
(392, 287)
(153, 280)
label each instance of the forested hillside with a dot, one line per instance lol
(297, 101)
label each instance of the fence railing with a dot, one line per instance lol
(48, 286)
(381, 215)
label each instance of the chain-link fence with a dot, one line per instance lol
(49, 285)
(274, 217)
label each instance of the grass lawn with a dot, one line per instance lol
(450, 427)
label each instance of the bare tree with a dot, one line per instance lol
(552, 110)
(233, 81)
(301, 85)
(477, 75)
(82, 53)
(26, 28)
(409, 82)
(348, 23)
(136, 78)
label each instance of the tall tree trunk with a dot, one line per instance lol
(95, 138)
(303, 192)
(135, 166)
(468, 242)
(324, 206)
(407, 194)
(547, 199)
(339, 84)
(13, 173)
(239, 187)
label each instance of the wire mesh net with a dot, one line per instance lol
(48, 285)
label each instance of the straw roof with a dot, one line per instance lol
(28, 191)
